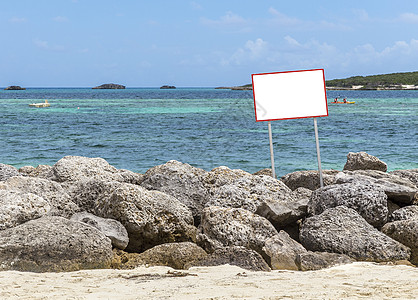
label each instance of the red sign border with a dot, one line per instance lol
(325, 90)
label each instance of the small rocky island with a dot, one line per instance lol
(168, 87)
(110, 86)
(14, 88)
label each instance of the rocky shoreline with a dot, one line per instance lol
(83, 213)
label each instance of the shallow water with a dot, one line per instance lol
(137, 129)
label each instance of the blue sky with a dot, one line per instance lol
(84, 43)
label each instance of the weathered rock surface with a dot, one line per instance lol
(404, 213)
(17, 207)
(342, 230)
(222, 227)
(369, 201)
(411, 175)
(263, 195)
(364, 161)
(235, 255)
(282, 251)
(51, 244)
(77, 168)
(267, 172)
(7, 171)
(405, 232)
(397, 189)
(41, 171)
(58, 199)
(311, 261)
(150, 217)
(110, 86)
(180, 180)
(113, 229)
(308, 179)
(175, 255)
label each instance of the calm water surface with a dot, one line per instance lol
(139, 128)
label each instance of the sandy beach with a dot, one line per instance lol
(354, 281)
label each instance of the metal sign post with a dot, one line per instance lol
(271, 150)
(318, 153)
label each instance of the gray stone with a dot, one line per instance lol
(282, 251)
(182, 181)
(150, 217)
(364, 161)
(113, 229)
(263, 195)
(397, 189)
(222, 227)
(7, 171)
(77, 168)
(311, 261)
(53, 244)
(60, 202)
(17, 207)
(235, 255)
(369, 201)
(404, 213)
(267, 172)
(308, 179)
(342, 230)
(411, 175)
(175, 255)
(41, 171)
(405, 232)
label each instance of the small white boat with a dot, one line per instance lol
(42, 104)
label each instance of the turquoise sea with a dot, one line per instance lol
(138, 128)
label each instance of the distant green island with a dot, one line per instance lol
(392, 81)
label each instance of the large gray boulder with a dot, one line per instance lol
(150, 217)
(175, 255)
(308, 179)
(411, 175)
(17, 207)
(235, 255)
(113, 229)
(263, 195)
(60, 202)
(41, 171)
(405, 232)
(311, 261)
(7, 171)
(404, 213)
(364, 161)
(342, 230)
(369, 201)
(180, 180)
(396, 188)
(282, 251)
(222, 227)
(53, 244)
(76, 168)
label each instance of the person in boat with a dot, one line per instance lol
(345, 100)
(336, 100)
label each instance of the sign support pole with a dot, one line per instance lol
(271, 150)
(317, 153)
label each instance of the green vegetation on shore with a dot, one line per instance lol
(408, 80)
(393, 81)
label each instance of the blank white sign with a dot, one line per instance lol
(289, 95)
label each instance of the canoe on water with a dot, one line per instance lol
(340, 102)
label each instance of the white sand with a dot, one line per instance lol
(354, 281)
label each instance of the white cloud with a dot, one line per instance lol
(229, 19)
(17, 20)
(409, 18)
(195, 5)
(46, 46)
(60, 19)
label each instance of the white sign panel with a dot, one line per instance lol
(289, 95)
